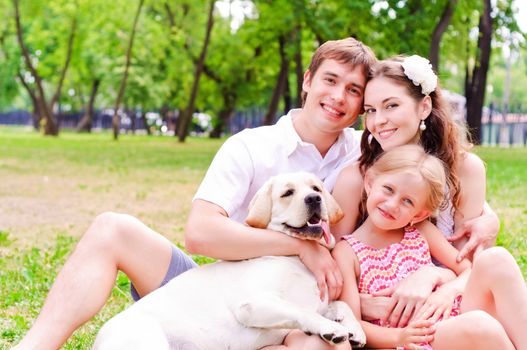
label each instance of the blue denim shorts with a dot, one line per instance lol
(179, 263)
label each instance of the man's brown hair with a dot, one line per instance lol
(347, 51)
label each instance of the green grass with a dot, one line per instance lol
(95, 165)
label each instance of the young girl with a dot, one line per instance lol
(403, 188)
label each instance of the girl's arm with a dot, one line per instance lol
(410, 337)
(348, 264)
(440, 302)
(348, 193)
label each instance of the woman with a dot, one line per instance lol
(403, 105)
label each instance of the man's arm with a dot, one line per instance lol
(211, 232)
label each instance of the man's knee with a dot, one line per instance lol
(107, 229)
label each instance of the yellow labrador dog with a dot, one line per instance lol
(247, 304)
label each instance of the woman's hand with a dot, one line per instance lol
(407, 296)
(480, 231)
(417, 333)
(439, 304)
(319, 261)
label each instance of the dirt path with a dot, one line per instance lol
(37, 207)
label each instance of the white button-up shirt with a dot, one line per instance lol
(248, 159)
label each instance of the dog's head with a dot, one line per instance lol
(296, 204)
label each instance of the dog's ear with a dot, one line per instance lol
(333, 208)
(260, 207)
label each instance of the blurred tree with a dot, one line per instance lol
(185, 117)
(45, 108)
(438, 32)
(122, 87)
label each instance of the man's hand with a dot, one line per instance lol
(319, 261)
(480, 231)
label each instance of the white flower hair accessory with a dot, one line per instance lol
(419, 70)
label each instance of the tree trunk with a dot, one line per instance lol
(439, 30)
(299, 69)
(56, 96)
(229, 101)
(48, 121)
(477, 82)
(35, 114)
(280, 84)
(185, 118)
(115, 118)
(147, 127)
(287, 94)
(86, 122)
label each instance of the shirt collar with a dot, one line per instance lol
(292, 140)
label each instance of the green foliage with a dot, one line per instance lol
(4, 239)
(244, 62)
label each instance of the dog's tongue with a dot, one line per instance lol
(326, 232)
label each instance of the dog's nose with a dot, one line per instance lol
(312, 199)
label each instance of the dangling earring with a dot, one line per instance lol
(422, 126)
(370, 139)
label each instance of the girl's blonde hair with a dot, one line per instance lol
(442, 137)
(414, 159)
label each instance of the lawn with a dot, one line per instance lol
(51, 188)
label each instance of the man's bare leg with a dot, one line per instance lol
(113, 242)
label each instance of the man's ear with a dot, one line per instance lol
(426, 107)
(423, 214)
(306, 84)
(260, 207)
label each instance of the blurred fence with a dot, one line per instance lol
(101, 120)
(495, 129)
(505, 131)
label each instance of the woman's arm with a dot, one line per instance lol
(469, 235)
(348, 193)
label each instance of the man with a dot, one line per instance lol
(315, 138)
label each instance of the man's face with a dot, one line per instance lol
(334, 95)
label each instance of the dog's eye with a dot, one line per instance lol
(316, 189)
(287, 193)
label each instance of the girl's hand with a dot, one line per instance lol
(415, 334)
(439, 304)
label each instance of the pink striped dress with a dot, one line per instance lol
(383, 268)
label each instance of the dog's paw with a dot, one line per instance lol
(334, 333)
(355, 344)
(334, 339)
(357, 340)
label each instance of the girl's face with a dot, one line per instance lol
(396, 199)
(392, 115)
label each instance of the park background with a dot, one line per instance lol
(120, 105)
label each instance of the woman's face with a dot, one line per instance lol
(392, 115)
